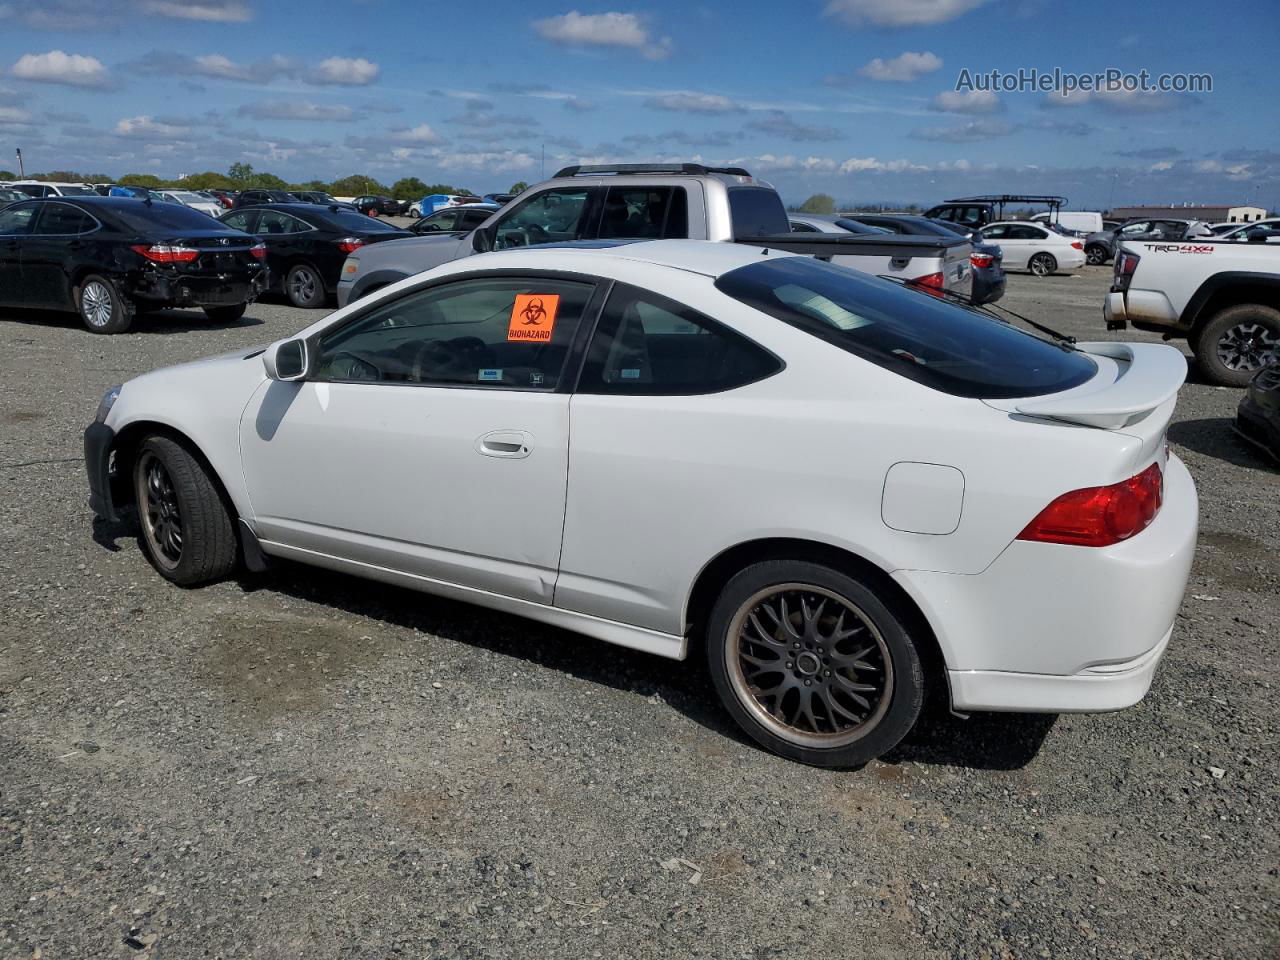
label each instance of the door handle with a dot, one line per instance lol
(505, 444)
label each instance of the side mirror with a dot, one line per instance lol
(482, 239)
(286, 360)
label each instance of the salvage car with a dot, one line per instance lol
(307, 244)
(107, 258)
(840, 492)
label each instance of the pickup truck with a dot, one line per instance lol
(621, 202)
(1223, 297)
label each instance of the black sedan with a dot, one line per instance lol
(1258, 417)
(378, 206)
(307, 244)
(987, 259)
(109, 257)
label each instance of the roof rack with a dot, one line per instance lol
(694, 169)
(1054, 203)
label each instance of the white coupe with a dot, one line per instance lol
(842, 492)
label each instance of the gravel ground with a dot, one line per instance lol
(306, 765)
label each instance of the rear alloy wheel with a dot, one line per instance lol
(1237, 343)
(813, 664)
(101, 307)
(226, 314)
(1096, 254)
(304, 288)
(1042, 264)
(187, 531)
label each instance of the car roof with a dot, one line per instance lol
(1019, 223)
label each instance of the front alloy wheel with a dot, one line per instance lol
(159, 512)
(813, 663)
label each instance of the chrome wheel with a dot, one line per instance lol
(1042, 265)
(809, 665)
(158, 506)
(96, 304)
(1248, 346)
(302, 285)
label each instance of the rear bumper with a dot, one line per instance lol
(1113, 311)
(1054, 628)
(199, 291)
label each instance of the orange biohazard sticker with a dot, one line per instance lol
(533, 317)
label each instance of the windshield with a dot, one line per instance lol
(76, 192)
(165, 217)
(186, 196)
(933, 342)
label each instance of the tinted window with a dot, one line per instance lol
(15, 221)
(798, 227)
(647, 213)
(995, 231)
(931, 341)
(473, 218)
(647, 344)
(1022, 232)
(137, 215)
(757, 212)
(551, 216)
(31, 189)
(356, 222)
(277, 222)
(240, 221)
(855, 226)
(493, 332)
(63, 219)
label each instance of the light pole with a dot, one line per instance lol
(22, 173)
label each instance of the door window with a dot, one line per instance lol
(62, 219)
(995, 231)
(647, 344)
(485, 332)
(444, 220)
(1019, 231)
(547, 217)
(277, 222)
(16, 221)
(647, 213)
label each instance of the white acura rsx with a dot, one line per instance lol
(842, 490)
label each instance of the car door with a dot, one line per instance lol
(1015, 252)
(287, 239)
(51, 252)
(662, 387)
(15, 226)
(431, 437)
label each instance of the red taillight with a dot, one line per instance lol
(166, 252)
(1077, 245)
(931, 283)
(981, 259)
(1100, 516)
(1126, 263)
(348, 244)
(258, 251)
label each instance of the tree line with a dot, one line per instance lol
(242, 176)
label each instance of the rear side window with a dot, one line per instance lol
(930, 341)
(647, 344)
(62, 219)
(358, 222)
(757, 212)
(645, 213)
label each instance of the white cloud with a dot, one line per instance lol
(903, 68)
(1121, 100)
(149, 128)
(10, 115)
(296, 110)
(422, 133)
(967, 101)
(618, 30)
(70, 69)
(691, 102)
(343, 71)
(213, 11)
(1161, 165)
(899, 13)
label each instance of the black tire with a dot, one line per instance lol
(1238, 342)
(1096, 254)
(1042, 264)
(304, 287)
(182, 497)
(824, 670)
(101, 308)
(226, 314)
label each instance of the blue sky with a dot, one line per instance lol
(848, 97)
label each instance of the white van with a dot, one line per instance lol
(1081, 221)
(52, 188)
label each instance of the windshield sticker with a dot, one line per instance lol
(489, 375)
(533, 317)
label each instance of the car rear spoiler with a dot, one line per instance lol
(1150, 374)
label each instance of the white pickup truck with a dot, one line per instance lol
(1222, 296)
(622, 203)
